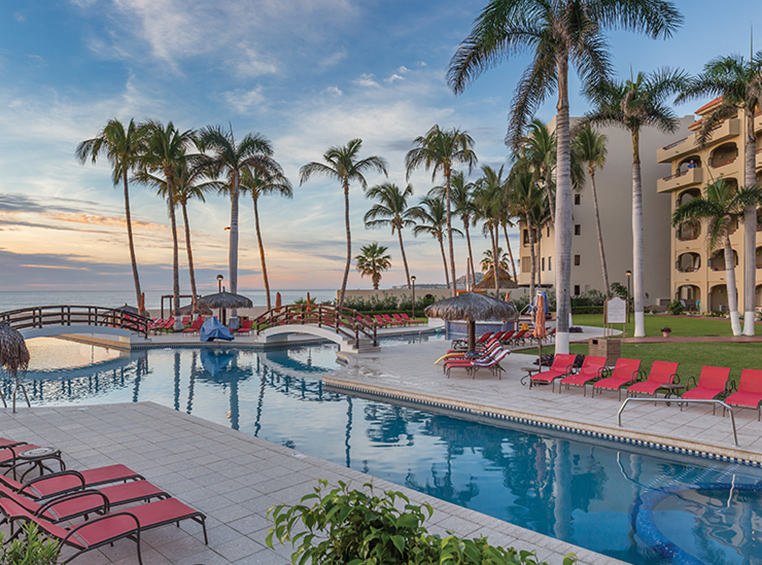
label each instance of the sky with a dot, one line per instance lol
(307, 74)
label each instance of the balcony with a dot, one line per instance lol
(759, 158)
(728, 129)
(684, 179)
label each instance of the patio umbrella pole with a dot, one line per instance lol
(472, 335)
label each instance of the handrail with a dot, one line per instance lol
(66, 315)
(677, 399)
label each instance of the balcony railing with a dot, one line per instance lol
(688, 236)
(723, 163)
(687, 269)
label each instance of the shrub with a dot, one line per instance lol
(675, 308)
(33, 548)
(353, 527)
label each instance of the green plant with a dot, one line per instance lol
(666, 329)
(618, 289)
(33, 548)
(351, 527)
(675, 308)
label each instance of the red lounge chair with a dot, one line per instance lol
(551, 333)
(519, 337)
(246, 326)
(506, 337)
(749, 393)
(399, 320)
(626, 371)
(411, 320)
(391, 321)
(713, 381)
(561, 367)
(186, 320)
(454, 355)
(463, 343)
(473, 365)
(661, 373)
(69, 481)
(592, 369)
(196, 325)
(380, 320)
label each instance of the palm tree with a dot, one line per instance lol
(223, 156)
(122, 148)
(557, 32)
(487, 263)
(259, 183)
(488, 200)
(372, 261)
(633, 105)
(342, 164)
(739, 82)
(539, 151)
(589, 147)
(527, 201)
(439, 150)
(165, 147)
(495, 185)
(432, 219)
(392, 210)
(721, 205)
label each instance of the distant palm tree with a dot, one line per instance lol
(721, 205)
(558, 32)
(589, 147)
(539, 151)
(739, 82)
(342, 164)
(372, 261)
(165, 147)
(123, 148)
(225, 156)
(494, 187)
(488, 200)
(260, 183)
(392, 210)
(528, 202)
(633, 105)
(432, 219)
(487, 262)
(439, 150)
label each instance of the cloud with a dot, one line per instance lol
(332, 91)
(366, 80)
(243, 101)
(251, 63)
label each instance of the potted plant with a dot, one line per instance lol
(665, 331)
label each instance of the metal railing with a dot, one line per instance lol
(42, 316)
(678, 399)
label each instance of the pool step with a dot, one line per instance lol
(365, 346)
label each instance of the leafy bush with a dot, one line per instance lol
(620, 290)
(675, 308)
(351, 527)
(33, 548)
(389, 304)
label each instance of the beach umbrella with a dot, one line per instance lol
(540, 332)
(14, 357)
(189, 309)
(472, 306)
(142, 307)
(226, 300)
(278, 300)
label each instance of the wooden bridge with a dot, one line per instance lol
(39, 321)
(347, 327)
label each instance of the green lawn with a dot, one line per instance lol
(681, 325)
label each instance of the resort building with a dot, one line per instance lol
(614, 187)
(697, 275)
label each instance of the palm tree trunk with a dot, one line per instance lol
(470, 254)
(510, 251)
(730, 276)
(175, 254)
(233, 248)
(597, 213)
(189, 250)
(261, 251)
(533, 274)
(133, 260)
(404, 257)
(449, 233)
(495, 259)
(637, 240)
(749, 228)
(444, 260)
(548, 184)
(563, 215)
(349, 244)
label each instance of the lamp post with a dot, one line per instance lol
(412, 279)
(628, 273)
(219, 283)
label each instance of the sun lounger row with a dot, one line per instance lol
(488, 358)
(513, 338)
(393, 320)
(49, 500)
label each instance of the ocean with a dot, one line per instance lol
(14, 300)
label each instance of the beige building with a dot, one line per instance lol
(697, 276)
(614, 187)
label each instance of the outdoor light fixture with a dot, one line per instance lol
(412, 279)
(219, 283)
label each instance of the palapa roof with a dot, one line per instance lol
(472, 306)
(14, 355)
(488, 282)
(200, 309)
(224, 300)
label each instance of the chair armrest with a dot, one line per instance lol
(691, 378)
(68, 497)
(602, 372)
(674, 378)
(36, 480)
(730, 386)
(570, 369)
(101, 519)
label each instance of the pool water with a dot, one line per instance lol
(564, 486)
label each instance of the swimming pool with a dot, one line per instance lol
(585, 492)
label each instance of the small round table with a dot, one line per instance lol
(36, 457)
(671, 389)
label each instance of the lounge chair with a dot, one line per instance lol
(246, 326)
(551, 333)
(749, 393)
(411, 320)
(593, 368)
(520, 337)
(454, 355)
(195, 326)
(562, 366)
(186, 320)
(712, 383)
(69, 481)
(380, 320)
(399, 320)
(626, 371)
(463, 343)
(506, 337)
(391, 321)
(661, 373)
(472, 366)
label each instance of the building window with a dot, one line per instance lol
(550, 264)
(576, 260)
(577, 199)
(576, 290)
(543, 263)
(526, 237)
(577, 229)
(548, 231)
(526, 265)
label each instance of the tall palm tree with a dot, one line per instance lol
(721, 206)
(635, 104)
(123, 147)
(165, 147)
(539, 151)
(589, 147)
(487, 262)
(432, 219)
(225, 156)
(739, 82)
(558, 32)
(391, 210)
(372, 261)
(439, 150)
(259, 183)
(526, 200)
(488, 201)
(342, 164)
(495, 185)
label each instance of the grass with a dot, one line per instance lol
(689, 326)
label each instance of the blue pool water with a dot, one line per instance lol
(585, 492)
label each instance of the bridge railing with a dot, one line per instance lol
(345, 321)
(42, 316)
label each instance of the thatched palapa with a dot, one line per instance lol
(14, 355)
(225, 300)
(188, 309)
(503, 278)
